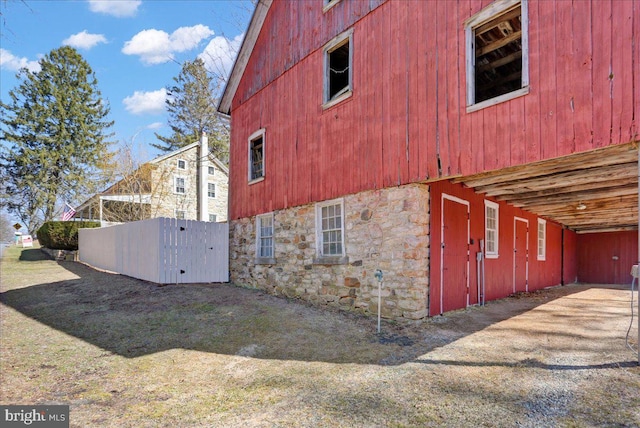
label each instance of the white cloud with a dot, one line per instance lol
(146, 102)
(84, 40)
(155, 125)
(156, 46)
(117, 8)
(220, 54)
(9, 61)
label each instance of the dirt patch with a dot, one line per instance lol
(124, 352)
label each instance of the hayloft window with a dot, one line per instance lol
(256, 156)
(497, 54)
(338, 69)
(491, 229)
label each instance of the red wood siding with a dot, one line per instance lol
(570, 257)
(607, 258)
(407, 119)
(499, 272)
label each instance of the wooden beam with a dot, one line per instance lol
(498, 43)
(612, 155)
(508, 16)
(595, 175)
(499, 62)
(575, 197)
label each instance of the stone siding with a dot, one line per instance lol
(384, 229)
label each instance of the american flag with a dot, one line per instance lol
(68, 212)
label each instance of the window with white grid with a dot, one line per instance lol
(542, 239)
(211, 190)
(264, 236)
(491, 229)
(330, 228)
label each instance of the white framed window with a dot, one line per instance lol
(256, 156)
(211, 170)
(491, 229)
(497, 53)
(180, 185)
(264, 236)
(330, 228)
(213, 218)
(211, 190)
(338, 70)
(180, 214)
(542, 239)
(182, 164)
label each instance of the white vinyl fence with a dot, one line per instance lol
(160, 250)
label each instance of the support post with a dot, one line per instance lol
(203, 164)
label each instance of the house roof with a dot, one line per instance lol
(249, 42)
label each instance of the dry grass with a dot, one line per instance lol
(124, 352)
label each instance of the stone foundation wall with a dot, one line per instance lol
(384, 229)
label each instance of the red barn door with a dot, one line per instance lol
(454, 278)
(520, 254)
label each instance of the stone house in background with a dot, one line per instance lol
(174, 185)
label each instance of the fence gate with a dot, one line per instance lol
(161, 250)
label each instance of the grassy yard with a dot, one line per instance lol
(123, 352)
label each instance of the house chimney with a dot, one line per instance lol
(203, 204)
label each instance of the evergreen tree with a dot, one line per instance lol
(54, 141)
(192, 109)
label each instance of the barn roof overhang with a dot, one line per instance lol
(595, 191)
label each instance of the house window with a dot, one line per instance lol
(542, 239)
(182, 164)
(211, 190)
(180, 215)
(330, 228)
(212, 170)
(180, 185)
(256, 156)
(264, 236)
(338, 72)
(497, 54)
(491, 229)
(213, 218)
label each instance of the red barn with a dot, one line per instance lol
(468, 149)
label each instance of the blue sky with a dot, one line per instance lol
(134, 47)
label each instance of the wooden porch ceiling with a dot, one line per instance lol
(587, 192)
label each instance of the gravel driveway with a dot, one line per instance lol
(123, 352)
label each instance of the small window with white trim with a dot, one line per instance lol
(213, 218)
(338, 73)
(497, 54)
(542, 239)
(182, 164)
(264, 236)
(256, 156)
(211, 190)
(330, 228)
(180, 214)
(211, 170)
(491, 228)
(180, 185)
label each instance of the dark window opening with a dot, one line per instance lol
(498, 56)
(338, 73)
(257, 156)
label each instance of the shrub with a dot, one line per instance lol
(62, 235)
